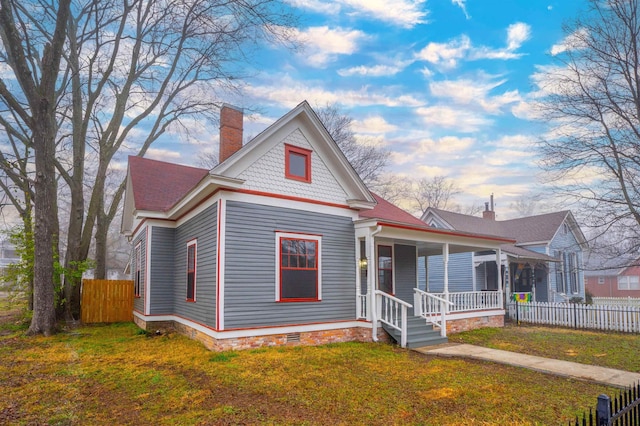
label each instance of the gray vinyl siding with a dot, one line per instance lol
(422, 273)
(460, 273)
(161, 272)
(405, 271)
(138, 302)
(566, 243)
(204, 228)
(250, 262)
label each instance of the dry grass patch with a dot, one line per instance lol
(606, 349)
(88, 375)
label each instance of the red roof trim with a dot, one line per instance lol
(444, 232)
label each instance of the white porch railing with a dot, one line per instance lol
(472, 300)
(362, 306)
(433, 308)
(393, 312)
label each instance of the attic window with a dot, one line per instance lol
(297, 163)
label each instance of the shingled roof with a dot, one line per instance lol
(524, 230)
(158, 186)
(384, 210)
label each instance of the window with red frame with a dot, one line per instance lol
(385, 269)
(297, 163)
(137, 265)
(298, 269)
(191, 272)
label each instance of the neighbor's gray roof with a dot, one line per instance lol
(524, 254)
(524, 230)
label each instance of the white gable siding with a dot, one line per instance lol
(267, 175)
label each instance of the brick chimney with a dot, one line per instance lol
(488, 212)
(230, 130)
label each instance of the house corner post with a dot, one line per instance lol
(499, 277)
(370, 248)
(445, 260)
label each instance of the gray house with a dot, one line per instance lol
(544, 264)
(282, 243)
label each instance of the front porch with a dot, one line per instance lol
(438, 311)
(393, 290)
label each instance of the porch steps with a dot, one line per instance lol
(419, 333)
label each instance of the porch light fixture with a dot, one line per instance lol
(364, 263)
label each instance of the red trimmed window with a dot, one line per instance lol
(297, 163)
(191, 271)
(299, 270)
(137, 267)
(385, 269)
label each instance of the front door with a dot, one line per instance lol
(385, 269)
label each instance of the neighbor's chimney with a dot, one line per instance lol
(488, 212)
(230, 130)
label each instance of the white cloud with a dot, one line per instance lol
(474, 92)
(373, 71)
(323, 44)
(426, 72)
(446, 55)
(288, 93)
(326, 7)
(450, 118)
(517, 34)
(403, 13)
(462, 5)
(162, 154)
(571, 42)
(432, 151)
(375, 124)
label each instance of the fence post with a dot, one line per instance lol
(603, 410)
(575, 316)
(517, 313)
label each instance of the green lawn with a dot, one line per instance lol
(88, 375)
(607, 349)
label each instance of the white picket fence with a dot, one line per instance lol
(617, 301)
(575, 315)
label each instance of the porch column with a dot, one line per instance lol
(359, 256)
(370, 248)
(499, 275)
(445, 259)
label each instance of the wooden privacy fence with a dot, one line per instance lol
(107, 301)
(576, 315)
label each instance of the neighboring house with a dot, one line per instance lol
(282, 242)
(544, 264)
(8, 256)
(612, 277)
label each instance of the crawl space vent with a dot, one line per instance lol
(293, 337)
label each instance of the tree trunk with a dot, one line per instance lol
(46, 222)
(102, 229)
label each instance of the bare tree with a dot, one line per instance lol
(130, 71)
(368, 159)
(436, 192)
(592, 97)
(35, 63)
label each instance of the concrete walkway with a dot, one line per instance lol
(590, 373)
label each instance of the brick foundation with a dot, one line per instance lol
(307, 338)
(466, 324)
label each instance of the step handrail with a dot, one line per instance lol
(424, 309)
(389, 315)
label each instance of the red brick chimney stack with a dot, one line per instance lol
(488, 212)
(230, 130)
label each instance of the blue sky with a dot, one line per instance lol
(445, 85)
